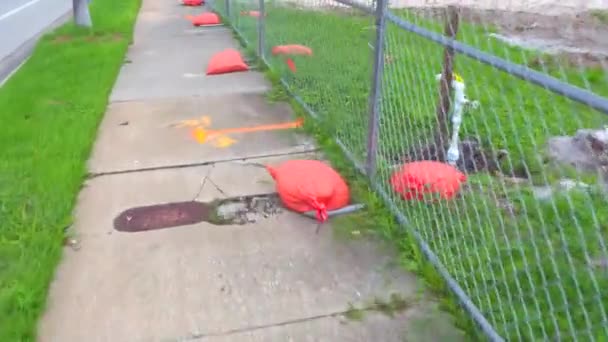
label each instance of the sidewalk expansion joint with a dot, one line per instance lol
(203, 336)
(258, 91)
(92, 175)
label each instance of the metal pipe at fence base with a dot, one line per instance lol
(342, 211)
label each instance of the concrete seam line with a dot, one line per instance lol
(211, 162)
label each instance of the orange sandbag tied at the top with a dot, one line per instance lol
(204, 19)
(310, 185)
(192, 2)
(422, 180)
(227, 61)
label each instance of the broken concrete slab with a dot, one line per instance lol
(192, 180)
(160, 133)
(203, 278)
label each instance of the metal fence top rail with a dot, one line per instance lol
(562, 88)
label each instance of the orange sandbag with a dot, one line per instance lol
(192, 2)
(227, 61)
(204, 19)
(293, 49)
(306, 185)
(418, 179)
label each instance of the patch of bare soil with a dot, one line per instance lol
(62, 38)
(114, 37)
(580, 37)
(474, 157)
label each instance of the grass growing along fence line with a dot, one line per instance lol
(49, 112)
(530, 265)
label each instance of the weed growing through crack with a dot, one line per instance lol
(394, 305)
(354, 314)
(390, 307)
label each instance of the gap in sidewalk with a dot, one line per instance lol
(239, 210)
(199, 164)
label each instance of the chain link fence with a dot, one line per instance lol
(523, 245)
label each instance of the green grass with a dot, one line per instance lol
(525, 263)
(49, 112)
(600, 15)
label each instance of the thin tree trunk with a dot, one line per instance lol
(445, 86)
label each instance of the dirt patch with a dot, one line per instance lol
(545, 7)
(574, 30)
(474, 157)
(104, 37)
(112, 37)
(62, 38)
(117, 37)
(580, 37)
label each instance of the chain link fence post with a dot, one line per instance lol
(376, 90)
(261, 30)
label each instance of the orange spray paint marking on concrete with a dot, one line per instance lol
(223, 141)
(202, 135)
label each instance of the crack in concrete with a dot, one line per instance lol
(342, 313)
(200, 189)
(92, 175)
(217, 187)
(206, 179)
(202, 336)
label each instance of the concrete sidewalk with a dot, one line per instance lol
(272, 279)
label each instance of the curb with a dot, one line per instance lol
(11, 63)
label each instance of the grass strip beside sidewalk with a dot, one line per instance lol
(49, 113)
